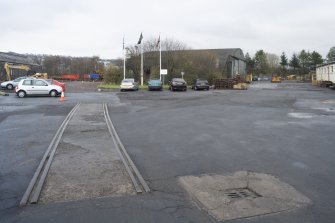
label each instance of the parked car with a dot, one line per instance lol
(128, 84)
(200, 84)
(12, 84)
(178, 84)
(37, 87)
(265, 78)
(155, 85)
(254, 78)
(54, 82)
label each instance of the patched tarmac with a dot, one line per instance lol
(242, 194)
(86, 164)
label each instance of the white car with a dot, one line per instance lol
(37, 87)
(128, 84)
(12, 84)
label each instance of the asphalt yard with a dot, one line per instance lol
(200, 153)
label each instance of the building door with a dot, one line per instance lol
(230, 69)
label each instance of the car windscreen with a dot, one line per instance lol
(202, 82)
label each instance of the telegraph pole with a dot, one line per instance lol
(124, 61)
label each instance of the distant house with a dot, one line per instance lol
(108, 62)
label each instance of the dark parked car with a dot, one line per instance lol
(155, 85)
(178, 84)
(199, 84)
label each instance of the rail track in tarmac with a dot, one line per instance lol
(33, 191)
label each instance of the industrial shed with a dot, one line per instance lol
(16, 59)
(229, 62)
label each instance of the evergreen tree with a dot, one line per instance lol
(283, 60)
(294, 62)
(315, 59)
(250, 64)
(261, 63)
(304, 58)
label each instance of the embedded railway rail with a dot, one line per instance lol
(33, 191)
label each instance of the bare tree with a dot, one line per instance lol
(273, 62)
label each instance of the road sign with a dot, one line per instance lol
(164, 71)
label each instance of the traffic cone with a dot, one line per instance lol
(62, 97)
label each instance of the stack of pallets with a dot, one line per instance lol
(224, 83)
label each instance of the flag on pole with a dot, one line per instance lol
(159, 40)
(140, 40)
(123, 43)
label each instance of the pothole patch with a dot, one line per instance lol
(242, 194)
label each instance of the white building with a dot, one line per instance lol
(326, 72)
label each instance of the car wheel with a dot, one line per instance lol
(9, 87)
(53, 93)
(195, 88)
(21, 94)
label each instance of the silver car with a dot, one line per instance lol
(37, 87)
(128, 84)
(12, 84)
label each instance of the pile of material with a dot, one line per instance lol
(224, 83)
(325, 84)
(238, 83)
(240, 86)
(2, 93)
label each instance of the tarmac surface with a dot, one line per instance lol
(283, 130)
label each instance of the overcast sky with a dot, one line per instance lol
(87, 28)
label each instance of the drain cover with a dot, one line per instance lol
(242, 194)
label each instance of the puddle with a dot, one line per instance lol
(301, 115)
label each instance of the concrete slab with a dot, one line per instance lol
(242, 194)
(86, 164)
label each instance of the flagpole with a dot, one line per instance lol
(160, 57)
(141, 64)
(124, 61)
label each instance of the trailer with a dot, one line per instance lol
(325, 74)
